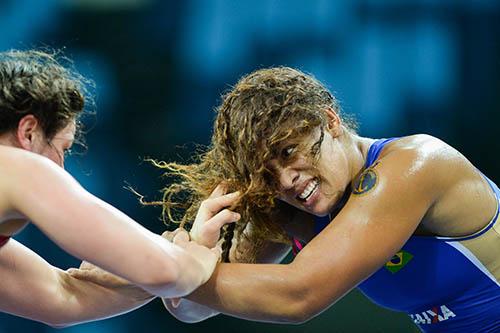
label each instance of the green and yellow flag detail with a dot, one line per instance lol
(398, 261)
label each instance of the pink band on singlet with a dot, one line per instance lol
(296, 246)
(297, 243)
(3, 240)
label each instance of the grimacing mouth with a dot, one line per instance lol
(308, 189)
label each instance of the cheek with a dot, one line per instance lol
(334, 172)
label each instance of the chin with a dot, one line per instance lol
(321, 211)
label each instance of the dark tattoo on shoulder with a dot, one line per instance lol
(367, 180)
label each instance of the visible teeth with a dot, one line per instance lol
(309, 190)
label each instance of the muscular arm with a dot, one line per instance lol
(32, 288)
(92, 230)
(189, 311)
(360, 239)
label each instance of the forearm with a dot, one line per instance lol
(269, 293)
(32, 288)
(188, 275)
(62, 212)
(83, 301)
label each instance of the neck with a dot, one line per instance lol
(8, 139)
(357, 147)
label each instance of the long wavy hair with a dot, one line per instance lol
(264, 111)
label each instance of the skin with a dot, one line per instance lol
(35, 187)
(423, 187)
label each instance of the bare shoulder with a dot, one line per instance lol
(19, 169)
(18, 160)
(9, 159)
(425, 154)
(421, 166)
(423, 146)
(7, 155)
(421, 163)
(17, 164)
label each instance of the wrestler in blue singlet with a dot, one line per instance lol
(445, 284)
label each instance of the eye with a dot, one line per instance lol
(288, 151)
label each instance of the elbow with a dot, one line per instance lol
(299, 313)
(305, 301)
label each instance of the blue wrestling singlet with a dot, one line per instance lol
(444, 284)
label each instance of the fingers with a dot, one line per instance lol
(221, 189)
(207, 232)
(79, 274)
(212, 206)
(169, 235)
(181, 237)
(86, 265)
(71, 271)
(220, 219)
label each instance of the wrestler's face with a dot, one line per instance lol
(57, 147)
(314, 178)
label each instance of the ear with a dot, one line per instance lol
(29, 132)
(334, 124)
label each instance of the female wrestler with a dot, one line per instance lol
(40, 103)
(409, 220)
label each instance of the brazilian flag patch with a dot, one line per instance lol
(398, 261)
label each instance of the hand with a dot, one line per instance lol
(199, 258)
(212, 216)
(94, 274)
(169, 235)
(91, 273)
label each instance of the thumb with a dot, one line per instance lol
(168, 235)
(77, 273)
(86, 265)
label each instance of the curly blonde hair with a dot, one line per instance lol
(262, 112)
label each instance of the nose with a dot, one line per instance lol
(287, 178)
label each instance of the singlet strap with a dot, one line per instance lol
(321, 222)
(375, 149)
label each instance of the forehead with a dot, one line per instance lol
(299, 138)
(301, 142)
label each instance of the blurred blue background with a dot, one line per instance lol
(400, 67)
